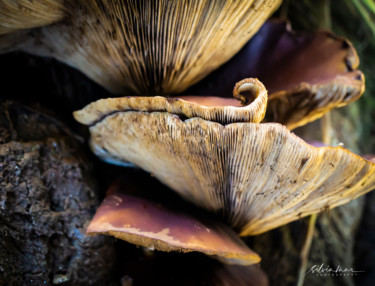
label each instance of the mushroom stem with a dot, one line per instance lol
(306, 249)
(326, 122)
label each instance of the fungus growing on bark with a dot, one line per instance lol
(210, 150)
(257, 175)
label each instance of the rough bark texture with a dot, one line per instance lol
(47, 197)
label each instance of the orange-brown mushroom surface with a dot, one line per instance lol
(151, 225)
(306, 74)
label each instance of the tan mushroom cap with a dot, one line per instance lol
(148, 224)
(223, 110)
(146, 47)
(258, 176)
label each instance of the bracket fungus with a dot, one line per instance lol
(223, 110)
(130, 46)
(164, 47)
(307, 75)
(213, 150)
(143, 222)
(257, 175)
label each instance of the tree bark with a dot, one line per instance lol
(47, 198)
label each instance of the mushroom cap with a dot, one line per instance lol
(258, 176)
(145, 47)
(306, 74)
(249, 91)
(142, 222)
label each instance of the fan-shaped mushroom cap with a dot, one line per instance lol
(144, 223)
(306, 74)
(147, 47)
(259, 176)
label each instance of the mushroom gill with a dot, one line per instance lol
(257, 175)
(139, 46)
(26, 14)
(164, 47)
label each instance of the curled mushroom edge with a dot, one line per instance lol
(258, 176)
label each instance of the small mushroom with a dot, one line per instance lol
(306, 74)
(257, 175)
(142, 222)
(136, 46)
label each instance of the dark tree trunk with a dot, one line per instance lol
(47, 197)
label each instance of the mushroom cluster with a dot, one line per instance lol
(177, 63)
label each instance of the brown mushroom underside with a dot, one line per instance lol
(26, 14)
(148, 224)
(145, 47)
(306, 74)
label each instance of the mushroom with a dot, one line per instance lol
(164, 47)
(306, 74)
(212, 151)
(258, 176)
(217, 109)
(143, 222)
(130, 46)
